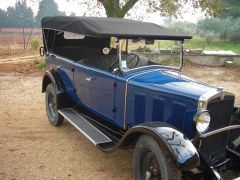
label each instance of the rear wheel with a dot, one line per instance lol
(153, 162)
(52, 106)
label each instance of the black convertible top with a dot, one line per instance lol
(106, 27)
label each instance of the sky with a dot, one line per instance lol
(72, 6)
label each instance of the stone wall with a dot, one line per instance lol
(200, 59)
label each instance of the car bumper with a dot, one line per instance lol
(227, 152)
(218, 142)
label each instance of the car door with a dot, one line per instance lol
(95, 90)
(82, 85)
(102, 93)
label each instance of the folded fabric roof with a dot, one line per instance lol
(106, 27)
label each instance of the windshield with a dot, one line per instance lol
(137, 53)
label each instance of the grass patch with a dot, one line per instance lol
(40, 63)
(14, 50)
(196, 43)
(200, 43)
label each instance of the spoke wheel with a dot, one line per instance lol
(52, 106)
(152, 161)
(150, 168)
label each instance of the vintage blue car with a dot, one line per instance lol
(178, 127)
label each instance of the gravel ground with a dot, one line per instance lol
(30, 148)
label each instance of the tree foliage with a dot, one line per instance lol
(226, 29)
(17, 16)
(233, 33)
(184, 27)
(21, 16)
(3, 18)
(231, 8)
(121, 8)
(47, 8)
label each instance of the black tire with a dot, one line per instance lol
(52, 106)
(152, 162)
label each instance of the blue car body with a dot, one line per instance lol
(154, 100)
(151, 95)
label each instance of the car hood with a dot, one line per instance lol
(172, 83)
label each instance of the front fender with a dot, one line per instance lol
(180, 147)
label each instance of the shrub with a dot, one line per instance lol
(35, 44)
(210, 37)
(142, 49)
(233, 33)
(40, 63)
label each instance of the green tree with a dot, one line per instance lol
(47, 8)
(3, 18)
(233, 33)
(184, 27)
(215, 25)
(231, 8)
(210, 36)
(119, 8)
(20, 15)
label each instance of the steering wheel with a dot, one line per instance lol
(129, 60)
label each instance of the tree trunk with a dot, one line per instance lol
(23, 39)
(29, 38)
(113, 9)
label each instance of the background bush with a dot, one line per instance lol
(35, 44)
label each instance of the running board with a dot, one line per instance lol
(85, 127)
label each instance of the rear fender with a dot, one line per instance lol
(53, 77)
(180, 148)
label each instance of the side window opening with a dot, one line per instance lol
(75, 46)
(69, 35)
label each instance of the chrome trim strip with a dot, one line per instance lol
(126, 92)
(212, 94)
(220, 130)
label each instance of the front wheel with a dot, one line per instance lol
(153, 162)
(52, 106)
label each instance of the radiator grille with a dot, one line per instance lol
(214, 146)
(178, 115)
(139, 108)
(221, 112)
(158, 109)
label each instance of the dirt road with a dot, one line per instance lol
(30, 148)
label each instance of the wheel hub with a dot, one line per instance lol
(52, 105)
(150, 167)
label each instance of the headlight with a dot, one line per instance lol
(202, 121)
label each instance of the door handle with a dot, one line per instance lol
(89, 78)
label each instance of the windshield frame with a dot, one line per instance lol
(124, 71)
